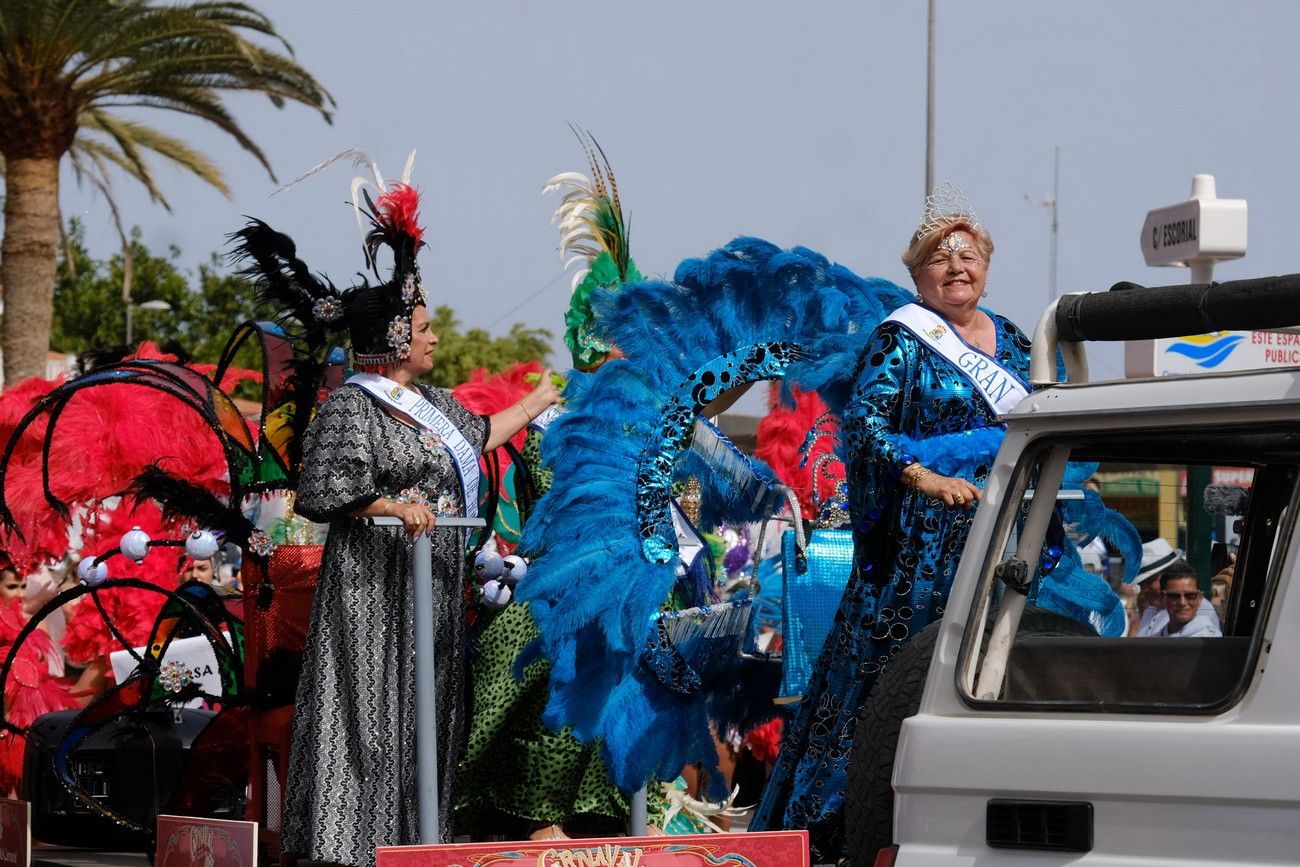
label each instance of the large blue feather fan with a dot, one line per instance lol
(590, 588)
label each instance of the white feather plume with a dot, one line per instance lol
(578, 244)
(360, 159)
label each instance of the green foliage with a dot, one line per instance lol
(207, 306)
(459, 354)
(89, 312)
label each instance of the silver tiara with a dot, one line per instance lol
(945, 205)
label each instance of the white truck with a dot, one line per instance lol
(1036, 744)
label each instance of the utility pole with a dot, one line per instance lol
(1053, 201)
(1056, 225)
(929, 104)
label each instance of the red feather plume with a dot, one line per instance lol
(490, 393)
(398, 210)
(781, 435)
(31, 691)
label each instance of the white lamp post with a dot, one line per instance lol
(156, 305)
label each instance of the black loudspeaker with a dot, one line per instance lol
(133, 766)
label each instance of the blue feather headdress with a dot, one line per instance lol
(603, 553)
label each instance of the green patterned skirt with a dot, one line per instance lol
(514, 765)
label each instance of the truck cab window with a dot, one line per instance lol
(1150, 581)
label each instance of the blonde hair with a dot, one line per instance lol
(923, 246)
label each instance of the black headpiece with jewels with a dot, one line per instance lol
(379, 315)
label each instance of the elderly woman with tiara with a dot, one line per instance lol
(921, 432)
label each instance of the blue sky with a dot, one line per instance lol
(799, 123)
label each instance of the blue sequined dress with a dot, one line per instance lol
(907, 400)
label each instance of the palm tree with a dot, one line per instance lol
(66, 67)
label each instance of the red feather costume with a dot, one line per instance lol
(105, 437)
(490, 393)
(30, 690)
(781, 437)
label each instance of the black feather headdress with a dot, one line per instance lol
(378, 315)
(284, 282)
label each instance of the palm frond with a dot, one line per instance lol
(83, 55)
(143, 137)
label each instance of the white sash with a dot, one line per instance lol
(416, 408)
(999, 387)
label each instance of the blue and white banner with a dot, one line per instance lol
(415, 407)
(999, 387)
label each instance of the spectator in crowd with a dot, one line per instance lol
(1157, 555)
(228, 567)
(39, 588)
(1221, 588)
(1187, 613)
(12, 585)
(197, 570)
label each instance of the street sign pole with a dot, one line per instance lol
(1193, 234)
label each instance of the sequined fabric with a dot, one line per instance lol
(906, 550)
(277, 606)
(810, 597)
(352, 771)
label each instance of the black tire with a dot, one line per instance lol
(869, 798)
(896, 695)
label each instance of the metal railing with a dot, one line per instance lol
(426, 700)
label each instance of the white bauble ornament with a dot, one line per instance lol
(135, 544)
(488, 565)
(516, 567)
(90, 573)
(201, 545)
(496, 595)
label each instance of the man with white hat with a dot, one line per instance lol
(1166, 574)
(1157, 555)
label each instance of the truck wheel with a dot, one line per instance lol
(869, 797)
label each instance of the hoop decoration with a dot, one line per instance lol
(146, 685)
(654, 475)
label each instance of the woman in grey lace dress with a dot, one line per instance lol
(352, 771)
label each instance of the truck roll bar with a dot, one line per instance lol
(1132, 312)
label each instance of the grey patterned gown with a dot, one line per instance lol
(352, 771)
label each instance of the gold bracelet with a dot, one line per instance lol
(913, 479)
(527, 415)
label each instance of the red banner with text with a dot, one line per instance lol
(759, 849)
(15, 833)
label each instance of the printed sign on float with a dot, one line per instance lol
(195, 657)
(759, 849)
(15, 833)
(189, 841)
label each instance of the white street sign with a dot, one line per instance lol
(1195, 234)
